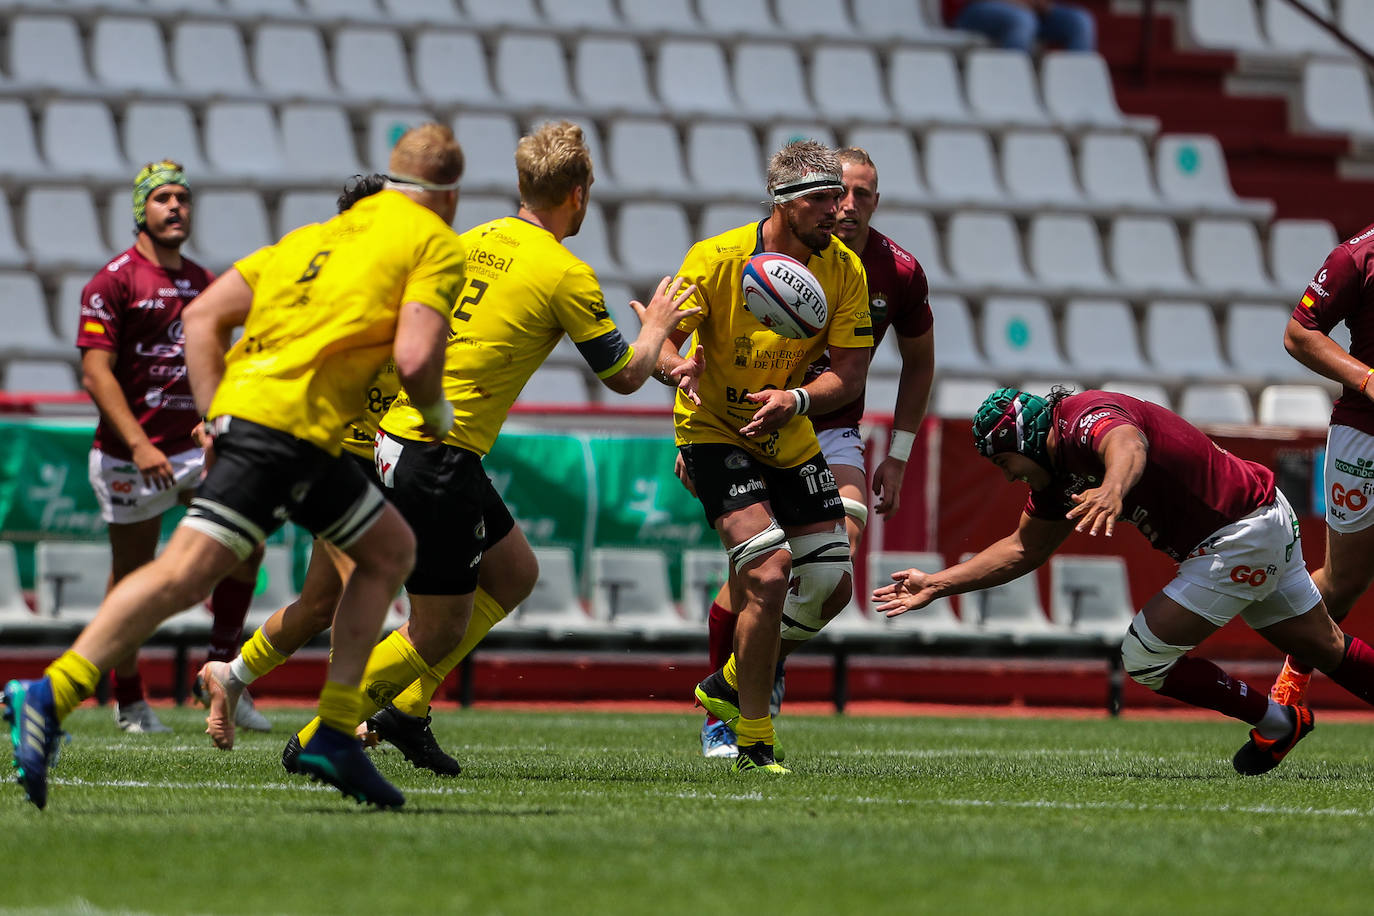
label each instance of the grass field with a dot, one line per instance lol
(601, 813)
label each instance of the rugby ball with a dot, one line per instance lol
(784, 295)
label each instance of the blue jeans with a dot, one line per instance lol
(1011, 25)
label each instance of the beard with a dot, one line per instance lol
(814, 238)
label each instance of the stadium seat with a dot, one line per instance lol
(646, 156)
(1065, 251)
(119, 225)
(1037, 168)
(242, 139)
(1011, 609)
(960, 398)
(915, 231)
(659, 17)
(693, 79)
(555, 385)
(1254, 342)
(717, 218)
(423, 12)
(985, 249)
(651, 239)
(925, 88)
(1291, 32)
(12, 254)
(352, 11)
(451, 68)
(1002, 88)
(847, 84)
(229, 225)
(629, 590)
(1018, 335)
(1226, 258)
(785, 132)
(611, 75)
(160, 130)
(703, 574)
(1224, 24)
(289, 61)
(902, 20)
(1100, 338)
(576, 15)
(1090, 594)
(13, 608)
(1224, 402)
(1303, 406)
(42, 376)
(592, 242)
(935, 619)
(371, 65)
(195, 42)
(1357, 20)
(489, 150)
(1078, 90)
(1181, 339)
(1144, 391)
(894, 155)
(1191, 171)
(1297, 248)
(46, 52)
(318, 140)
(724, 158)
(24, 315)
(60, 229)
(1115, 171)
(78, 141)
(768, 81)
(503, 12)
(958, 338)
(19, 159)
(255, 10)
(128, 54)
(1336, 98)
(531, 70)
(1146, 254)
(553, 607)
(960, 167)
(298, 208)
(737, 17)
(825, 19)
(70, 578)
(66, 306)
(476, 209)
(386, 125)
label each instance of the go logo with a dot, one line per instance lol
(1247, 576)
(1353, 499)
(122, 486)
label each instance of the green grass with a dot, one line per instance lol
(599, 813)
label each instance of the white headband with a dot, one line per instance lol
(809, 183)
(409, 183)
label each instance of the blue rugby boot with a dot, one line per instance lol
(338, 759)
(35, 734)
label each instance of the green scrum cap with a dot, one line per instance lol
(1011, 420)
(151, 177)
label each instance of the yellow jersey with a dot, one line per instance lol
(523, 292)
(325, 302)
(360, 435)
(743, 356)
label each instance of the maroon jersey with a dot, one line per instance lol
(132, 307)
(1190, 487)
(898, 296)
(1343, 290)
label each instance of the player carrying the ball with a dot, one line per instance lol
(748, 448)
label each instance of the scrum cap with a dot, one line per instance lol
(1011, 420)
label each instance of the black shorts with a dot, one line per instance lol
(727, 478)
(261, 477)
(445, 495)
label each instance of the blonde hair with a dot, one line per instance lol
(550, 163)
(428, 152)
(800, 158)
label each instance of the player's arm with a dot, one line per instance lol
(209, 321)
(1027, 548)
(653, 347)
(828, 391)
(418, 350)
(1124, 451)
(1321, 354)
(98, 378)
(913, 395)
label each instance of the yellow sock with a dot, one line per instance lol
(754, 731)
(415, 699)
(259, 655)
(73, 679)
(731, 672)
(304, 735)
(339, 707)
(391, 667)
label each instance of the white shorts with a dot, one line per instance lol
(842, 445)
(123, 496)
(1252, 568)
(1349, 480)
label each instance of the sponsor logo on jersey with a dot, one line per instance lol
(147, 305)
(158, 398)
(1368, 233)
(1363, 467)
(1316, 286)
(736, 460)
(113, 266)
(749, 486)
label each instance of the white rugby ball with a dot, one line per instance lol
(784, 295)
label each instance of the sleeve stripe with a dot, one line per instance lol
(607, 354)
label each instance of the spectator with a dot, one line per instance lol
(1017, 24)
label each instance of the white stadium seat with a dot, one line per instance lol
(651, 238)
(1224, 402)
(1115, 171)
(19, 158)
(1091, 594)
(13, 608)
(476, 209)
(1065, 250)
(985, 249)
(1181, 339)
(129, 54)
(1357, 20)
(960, 167)
(1224, 24)
(40, 376)
(1018, 335)
(1078, 90)
(1291, 32)
(451, 68)
(915, 231)
(1100, 338)
(664, 17)
(371, 65)
(847, 84)
(1191, 171)
(553, 607)
(488, 141)
(78, 140)
(229, 225)
(592, 242)
(894, 155)
(1336, 98)
(12, 254)
(1226, 258)
(46, 52)
(1254, 342)
(24, 315)
(768, 81)
(693, 78)
(503, 12)
(575, 15)
(60, 228)
(162, 130)
(1002, 87)
(289, 61)
(1146, 253)
(646, 156)
(1304, 406)
(318, 140)
(825, 19)
(785, 132)
(243, 139)
(903, 20)
(427, 12)
(924, 86)
(386, 125)
(959, 350)
(718, 218)
(611, 75)
(703, 574)
(935, 619)
(1297, 248)
(297, 208)
(737, 17)
(629, 590)
(1037, 168)
(1012, 609)
(961, 397)
(70, 578)
(196, 42)
(66, 308)
(278, 585)
(531, 70)
(724, 158)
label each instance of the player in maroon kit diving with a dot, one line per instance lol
(898, 298)
(145, 458)
(1094, 458)
(1342, 290)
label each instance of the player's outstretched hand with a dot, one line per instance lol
(1095, 510)
(887, 485)
(910, 590)
(665, 310)
(688, 375)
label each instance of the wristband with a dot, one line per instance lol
(438, 416)
(902, 441)
(803, 400)
(1365, 382)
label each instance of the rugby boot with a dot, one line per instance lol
(1261, 754)
(414, 739)
(758, 758)
(338, 759)
(718, 698)
(35, 734)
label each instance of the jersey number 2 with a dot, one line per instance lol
(479, 289)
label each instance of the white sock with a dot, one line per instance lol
(1275, 723)
(239, 671)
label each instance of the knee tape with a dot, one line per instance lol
(1147, 658)
(765, 542)
(819, 563)
(856, 510)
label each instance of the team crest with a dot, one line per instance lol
(878, 308)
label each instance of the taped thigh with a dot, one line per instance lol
(819, 564)
(765, 542)
(1146, 657)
